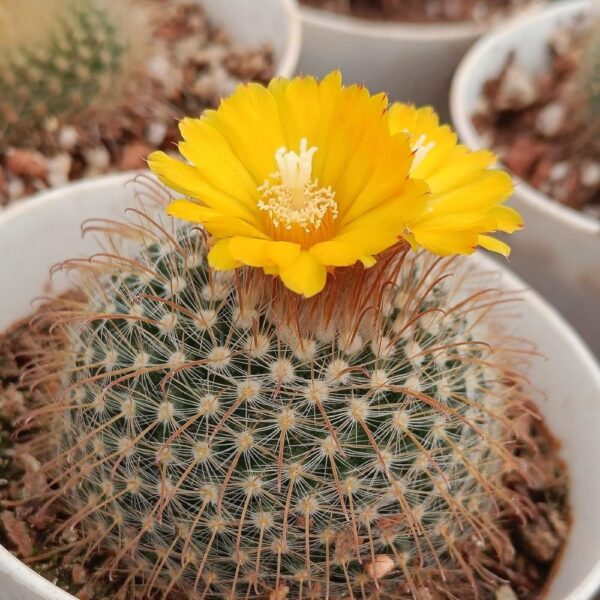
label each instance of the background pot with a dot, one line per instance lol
(250, 23)
(36, 234)
(559, 251)
(411, 62)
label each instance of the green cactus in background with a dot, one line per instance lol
(63, 58)
(217, 453)
(591, 70)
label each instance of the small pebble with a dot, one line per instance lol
(505, 592)
(160, 68)
(68, 137)
(540, 540)
(15, 188)
(559, 171)
(205, 86)
(517, 89)
(134, 156)
(79, 574)
(156, 132)
(590, 174)
(550, 119)
(97, 159)
(26, 163)
(59, 167)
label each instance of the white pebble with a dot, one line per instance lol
(590, 174)
(223, 81)
(212, 55)
(559, 171)
(517, 89)
(59, 167)
(97, 159)
(68, 137)
(505, 592)
(156, 132)
(160, 69)
(550, 119)
(15, 188)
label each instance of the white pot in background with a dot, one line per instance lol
(412, 62)
(40, 232)
(559, 250)
(250, 23)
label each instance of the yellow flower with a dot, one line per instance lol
(305, 176)
(467, 196)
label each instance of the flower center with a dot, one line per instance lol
(291, 196)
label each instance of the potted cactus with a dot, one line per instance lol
(91, 86)
(547, 134)
(293, 387)
(407, 48)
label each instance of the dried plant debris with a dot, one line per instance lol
(189, 67)
(539, 126)
(422, 11)
(538, 534)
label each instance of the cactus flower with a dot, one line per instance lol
(306, 176)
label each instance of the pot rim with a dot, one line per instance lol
(462, 116)
(289, 61)
(378, 29)
(32, 581)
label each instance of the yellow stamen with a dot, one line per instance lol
(291, 197)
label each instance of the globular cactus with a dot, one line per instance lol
(590, 71)
(219, 434)
(62, 58)
(219, 454)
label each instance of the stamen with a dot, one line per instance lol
(421, 150)
(291, 197)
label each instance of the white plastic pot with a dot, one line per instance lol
(40, 232)
(250, 23)
(559, 251)
(411, 62)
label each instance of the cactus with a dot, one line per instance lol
(219, 454)
(63, 58)
(291, 401)
(590, 71)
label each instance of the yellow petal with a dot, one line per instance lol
(207, 149)
(249, 120)
(460, 170)
(494, 245)
(188, 180)
(191, 211)
(305, 276)
(263, 253)
(508, 219)
(216, 223)
(174, 174)
(338, 254)
(220, 258)
(446, 243)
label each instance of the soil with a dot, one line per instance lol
(190, 66)
(541, 126)
(24, 529)
(421, 11)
